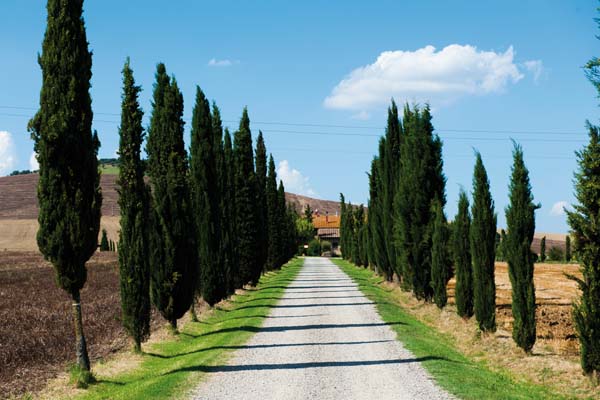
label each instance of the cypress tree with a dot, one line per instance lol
(261, 200)
(390, 169)
(520, 220)
(308, 213)
(343, 227)
(174, 265)
(439, 257)
(284, 225)
(585, 227)
(568, 249)
(273, 216)
(104, 241)
(245, 203)
(134, 203)
(463, 292)
(421, 182)
(359, 221)
(229, 216)
(483, 238)
(69, 192)
(543, 249)
(206, 202)
(377, 239)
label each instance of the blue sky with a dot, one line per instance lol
(315, 74)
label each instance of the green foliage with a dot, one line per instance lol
(483, 244)
(585, 228)
(245, 202)
(174, 265)
(568, 254)
(543, 249)
(358, 224)
(134, 203)
(206, 195)
(377, 240)
(314, 248)
(69, 193)
(326, 246)
(462, 258)
(261, 201)
(556, 254)
(104, 241)
(439, 257)
(308, 213)
(305, 229)
(274, 223)
(421, 181)
(228, 234)
(520, 220)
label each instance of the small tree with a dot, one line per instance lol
(568, 255)
(483, 245)
(556, 254)
(104, 241)
(585, 224)
(520, 219)
(326, 246)
(314, 248)
(439, 257)
(462, 258)
(543, 249)
(308, 213)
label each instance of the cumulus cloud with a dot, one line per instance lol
(293, 180)
(558, 208)
(361, 116)
(33, 162)
(213, 62)
(428, 75)
(7, 153)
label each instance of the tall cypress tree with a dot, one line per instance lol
(104, 241)
(585, 229)
(343, 227)
(376, 230)
(520, 220)
(134, 203)
(543, 249)
(421, 181)
(261, 200)
(273, 216)
(390, 170)
(206, 201)
(483, 246)
(174, 266)
(568, 248)
(285, 230)
(439, 256)
(229, 216)
(69, 192)
(359, 221)
(463, 292)
(245, 203)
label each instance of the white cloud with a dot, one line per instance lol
(427, 75)
(558, 208)
(7, 153)
(536, 68)
(293, 180)
(213, 62)
(33, 162)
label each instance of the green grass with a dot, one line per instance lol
(459, 375)
(171, 368)
(109, 169)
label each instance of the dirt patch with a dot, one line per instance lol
(36, 334)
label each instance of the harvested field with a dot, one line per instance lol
(36, 331)
(554, 298)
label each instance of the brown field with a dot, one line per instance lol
(37, 332)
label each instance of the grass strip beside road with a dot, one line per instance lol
(453, 371)
(169, 369)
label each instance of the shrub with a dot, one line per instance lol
(314, 248)
(325, 246)
(556, 254)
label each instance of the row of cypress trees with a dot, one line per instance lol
(204, 226)
(425, 251)
(241, 225)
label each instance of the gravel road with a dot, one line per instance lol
(323, 340)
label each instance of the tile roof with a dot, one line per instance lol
(326, 221)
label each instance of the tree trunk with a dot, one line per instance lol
(173, 324)
(137, 346)
(83, 359)
(193, 311)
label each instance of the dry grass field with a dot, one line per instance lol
(37, 331)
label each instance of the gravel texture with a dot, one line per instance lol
(323, 340)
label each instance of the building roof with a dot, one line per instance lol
(326, 221)
(328, 233)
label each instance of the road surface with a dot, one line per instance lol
(323, 340)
